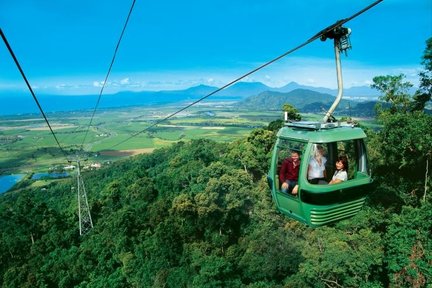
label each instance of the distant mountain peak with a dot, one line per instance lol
(200, 86)
(198, 90)
(292, 84)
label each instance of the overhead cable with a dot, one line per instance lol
(30, 89)
(109, 71)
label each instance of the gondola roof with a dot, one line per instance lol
(321, 135)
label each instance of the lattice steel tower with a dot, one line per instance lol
(85, 220)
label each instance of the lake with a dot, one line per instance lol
(7, 181)
(38, 176)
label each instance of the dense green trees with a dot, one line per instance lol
(402, 153)
(192, 216)
(409, 247)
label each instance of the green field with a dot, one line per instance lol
(26, 144)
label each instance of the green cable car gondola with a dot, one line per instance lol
(317, 203)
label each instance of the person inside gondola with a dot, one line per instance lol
(341, 173)
(288, 174)
(317, 169)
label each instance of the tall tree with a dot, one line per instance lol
(292, 112)
(335, 258)
(405, 141)
(395, 92)
(423, 94)
(409, 247)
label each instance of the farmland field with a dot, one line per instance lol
(27, 146)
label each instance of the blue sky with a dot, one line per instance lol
(65, 47)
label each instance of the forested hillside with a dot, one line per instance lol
(307, 101)
(299, 98)
(199, 214)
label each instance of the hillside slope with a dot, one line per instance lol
(199, 214)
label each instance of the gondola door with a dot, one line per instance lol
(286, 203)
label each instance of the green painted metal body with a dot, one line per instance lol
(317, 205)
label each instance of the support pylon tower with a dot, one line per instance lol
(85, 220)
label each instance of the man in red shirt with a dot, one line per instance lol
(288, 174)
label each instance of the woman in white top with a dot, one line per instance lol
(316, 170)
(341, 173)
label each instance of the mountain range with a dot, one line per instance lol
(22, 103)
(246, 89)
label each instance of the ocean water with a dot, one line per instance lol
(17, 104)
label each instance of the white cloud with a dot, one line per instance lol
(124, 81)
(65, 86)
(98, 84)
